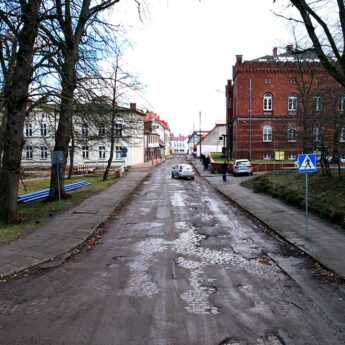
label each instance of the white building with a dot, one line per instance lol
(213, 141)
(92, 139)
(179, 145)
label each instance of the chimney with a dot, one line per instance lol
(238, 59)
(275, 52)
(289, 48)
(133, 106)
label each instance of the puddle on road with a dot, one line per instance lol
(188, 245)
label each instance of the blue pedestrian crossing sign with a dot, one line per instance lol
(307, 163)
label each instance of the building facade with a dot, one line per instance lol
(91, 138)
(179, 145)
(214, 140)
(279, 106)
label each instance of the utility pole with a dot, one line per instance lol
(200, 131)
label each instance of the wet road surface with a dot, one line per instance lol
(179, 265)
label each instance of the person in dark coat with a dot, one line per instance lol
(225, 169)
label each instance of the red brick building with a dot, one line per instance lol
(283, 105)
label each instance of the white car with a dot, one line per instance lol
(183, 171)
(242, 166)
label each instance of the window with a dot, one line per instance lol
(101, 130)
(28, 130)
(292, 102)
(85, 130)
(269, 81)
(267, 102)
(102, 152)
(43, 130)
(29, 152)
(267, 133)
(317, 103)
(118, 152)
(317, 133)
(85, 152)
(118, 129)
(292, 134)
(342, 135)
(292, 157)
(341, 103)
(267, 156)
(44, 152)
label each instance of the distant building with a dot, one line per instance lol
(268, 114)
(193, 139)
(214, 140)
(157, 134)
(179, 145)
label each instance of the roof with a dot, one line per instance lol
(290, 55)
(178, 138)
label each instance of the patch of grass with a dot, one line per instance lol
(35, 213)
(326, 194)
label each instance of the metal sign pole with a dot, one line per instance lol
(306, 205)
(58, 178)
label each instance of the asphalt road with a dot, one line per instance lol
(179, 265)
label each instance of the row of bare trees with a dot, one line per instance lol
(49, 50)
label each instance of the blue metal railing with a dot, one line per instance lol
(44, 193)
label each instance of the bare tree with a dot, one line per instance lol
(21, 21)
(327, 38)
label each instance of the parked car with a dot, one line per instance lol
(242, 166)
(183, 171)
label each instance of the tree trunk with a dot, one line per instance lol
(63, 133)
(16, 99)
(71, 158)
(112, 145)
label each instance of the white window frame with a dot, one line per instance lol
(44, 152)
(317, 103)
(28, 130)
(292, 156)
(341, 103)
(292, 102)
(267, 156)
(101, 130)
(342, 135)
(317, 134)
(85, 152)
(118, 129)
(118, 152)
(29, 152)
(102, 152)
(268, 102)
(43, 129)
(267, 134)
(85, 130)
(292, 134)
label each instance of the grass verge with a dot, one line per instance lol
(326, 194)
(33, 214)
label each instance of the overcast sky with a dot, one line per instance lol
(185, 49)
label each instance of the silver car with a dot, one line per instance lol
(242, 166)
(183, 171)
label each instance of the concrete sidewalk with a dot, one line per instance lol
(71, 228)
(325, 243)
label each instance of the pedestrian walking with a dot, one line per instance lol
(225, 169)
